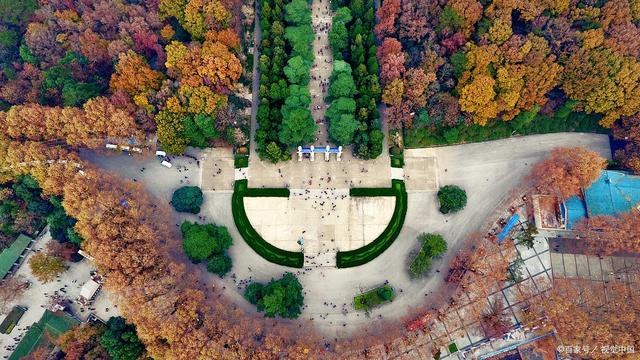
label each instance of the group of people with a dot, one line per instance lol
(319, 71)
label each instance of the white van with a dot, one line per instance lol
(166, 164)
(161, 153)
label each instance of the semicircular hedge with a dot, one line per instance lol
(370, 251)
(250, 235)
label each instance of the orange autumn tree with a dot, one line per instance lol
(583, 316)
(628, 129)
(134, 76)
(567, 170)
(607, 235)
(523, 72)
(98, 120)
(126, 230)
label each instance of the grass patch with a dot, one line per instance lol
(250, 235)
(12, 319)
(453, 348)
(240, 161)
(372, 250)
(373, 298)
(397, 161)
(541, 124)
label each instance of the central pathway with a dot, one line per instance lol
(322, 65)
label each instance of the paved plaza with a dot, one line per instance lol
(421, 170)
(487, 171)
(217, 169)
(319, 174)
(323, 220)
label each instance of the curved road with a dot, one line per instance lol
(486, 170)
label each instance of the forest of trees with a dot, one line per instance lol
(132, 68)
(450, 68)
(284, 118)
(354, 90)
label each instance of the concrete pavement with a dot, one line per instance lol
(487, 171)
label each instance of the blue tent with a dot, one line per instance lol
(507, 228)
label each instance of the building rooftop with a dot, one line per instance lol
(50, 327)
(10, 255)
(613, 193)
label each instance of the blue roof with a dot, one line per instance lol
(507, 228)
(613, 193)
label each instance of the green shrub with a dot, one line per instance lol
(452, 199)
(219, 264)
(278, 298)
(241, 161)
(187, 199)
(253, 292)
(373, 298)
(201, 241)
(433, 245)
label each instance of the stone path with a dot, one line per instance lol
(321, 16)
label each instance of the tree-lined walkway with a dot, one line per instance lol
(322, 65)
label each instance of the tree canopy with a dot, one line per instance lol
(452, 199)
(202, 241)
(120, 340)
(187, 199)
(281, 297)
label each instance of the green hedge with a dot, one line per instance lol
(241, 161)
(12, 319)
(369, 252)
(372, 298)
(372, 192)
(250, 235)
(496, 129)
(397, 161)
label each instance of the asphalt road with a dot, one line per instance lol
(487, 171)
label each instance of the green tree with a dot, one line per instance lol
(433, 245)
(298, 128)
(452, 198)
(297, 12)
(342, 129)
(59, 222)
(297, 71)
(338, 37)
(459, 62)
(340, 106)
(300, 39)
(219, 264)
(278, 298)
(342, 86)
(76, 94)
(17, 12)
(26, 55)
(385, 293)
(273, 152)
(187, 199)
(201, 241)
(343, 14)
(253, 292)
(9, 38)
(199, 130)
(121, 341)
